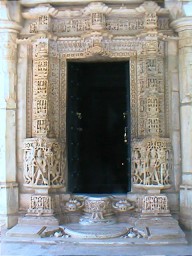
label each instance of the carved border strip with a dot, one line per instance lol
(29, 92)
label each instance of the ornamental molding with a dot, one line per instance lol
(182, 24)
(96, 16)
(5, 20)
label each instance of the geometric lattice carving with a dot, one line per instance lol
(155, 204)
(41, 205)
(40, 125)
(151, 162)
(43, 163)
(151, 90)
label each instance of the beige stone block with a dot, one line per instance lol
(172, 47)
(175, 111)
(24, 201)
(186, 199)
(173, 201)
(26, 230)
(187, 179)
(186, 206)
(9, 204)
(176, 147)
(186, 137)
(177, 174)
(175, 80)
(7, 144)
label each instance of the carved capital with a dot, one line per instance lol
(6, 24)
(182, 24)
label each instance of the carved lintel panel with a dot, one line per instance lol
(41, 205)
(44, 165)
(151, 162)
(98, 16)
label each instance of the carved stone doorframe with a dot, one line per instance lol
(57, 36)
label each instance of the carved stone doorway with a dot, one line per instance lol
(98, 127)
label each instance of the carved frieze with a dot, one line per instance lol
(97, 16)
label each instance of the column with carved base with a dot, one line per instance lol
(184, 27)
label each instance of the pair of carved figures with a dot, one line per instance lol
(42, 165)
(151, 166)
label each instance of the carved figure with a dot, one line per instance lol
(40, 164)
(29, 166)
(43, 163)
(154, 164)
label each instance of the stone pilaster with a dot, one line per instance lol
(184, 28)
(152, 151)
(43, 154)
(8, 76)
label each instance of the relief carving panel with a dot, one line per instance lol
(43, 163)
(151, 162)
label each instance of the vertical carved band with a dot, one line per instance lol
(40, 126)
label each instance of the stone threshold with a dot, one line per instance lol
(165, 231)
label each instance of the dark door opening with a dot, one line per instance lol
(98, 120)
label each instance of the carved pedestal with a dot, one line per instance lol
(43, 171)
(97, 210)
